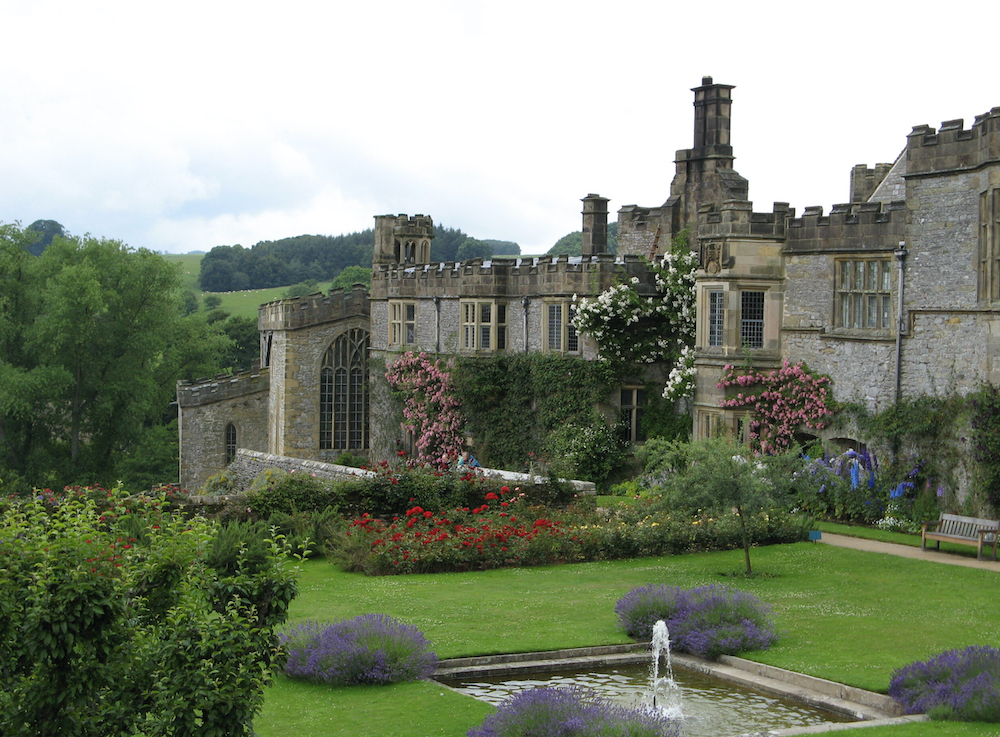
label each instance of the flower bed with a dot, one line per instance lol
(708, 621)
(370, 649)
(504, 530)
(962, 685)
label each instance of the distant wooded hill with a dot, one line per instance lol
(322, 257)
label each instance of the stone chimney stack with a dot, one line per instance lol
(595, 225)
(712, 112)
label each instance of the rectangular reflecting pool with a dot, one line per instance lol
(711, 708)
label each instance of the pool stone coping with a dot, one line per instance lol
(868, 708)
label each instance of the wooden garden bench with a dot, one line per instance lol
(954, 528)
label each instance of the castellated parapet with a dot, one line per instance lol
(222, 387)
(952, 147)
(737, 218)
(506, 277)
(859, 226)
(864, 180)
(295, 313)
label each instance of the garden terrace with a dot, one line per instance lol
(839, 611)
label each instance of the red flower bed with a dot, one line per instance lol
(483, 537)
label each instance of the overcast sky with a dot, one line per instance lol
(185, 125)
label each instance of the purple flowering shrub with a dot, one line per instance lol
(370, 649)
(962, 685)
(571, 712)
(707, 621)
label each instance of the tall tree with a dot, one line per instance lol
(92, 342)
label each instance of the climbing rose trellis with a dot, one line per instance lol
(430, 409)
(782, 400)
(631, 327)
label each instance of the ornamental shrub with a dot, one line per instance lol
(960, 685)
(591, 451)
(369, 649)
(708, 621)
(127, 618)
(572, 712)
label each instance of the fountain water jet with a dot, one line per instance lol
(664, 693)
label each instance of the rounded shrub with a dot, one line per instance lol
(962, 685)
(369, 649)
(571, 712)
(707, 621)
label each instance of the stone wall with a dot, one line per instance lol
(205, 409)
(943, 240)
(950, 352)
(808, 291)
(249, 464)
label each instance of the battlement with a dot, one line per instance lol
(952, 147)
(293, 313)
(737, 218)
(403, 239)
(511, 277)
(223, 386)
(864, 181)
(858, 226)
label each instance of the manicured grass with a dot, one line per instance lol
(846, 615)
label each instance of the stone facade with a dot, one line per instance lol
(475, 308)
(894, 294)
(275, 409)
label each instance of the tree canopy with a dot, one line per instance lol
(92, 343)
(45, 231)
(571, 244)
(290, 261)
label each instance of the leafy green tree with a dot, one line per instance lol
(473, 248)
(245, 342)
(122, 620)
(504, 248)
(309, 286)
(571, 244)
(353, 275)
(212, 301)
(723, 475)
(92, 342)
(46, 231)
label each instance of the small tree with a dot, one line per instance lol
(724, 475)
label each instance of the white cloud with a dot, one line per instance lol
(221, 122)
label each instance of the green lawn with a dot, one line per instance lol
(846, 615)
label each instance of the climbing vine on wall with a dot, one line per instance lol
(513, 402)
(632, 327)
(985, 423)
(782, 401)
(431, 411)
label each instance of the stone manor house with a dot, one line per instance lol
(895, 293)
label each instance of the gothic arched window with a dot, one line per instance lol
(230, 443)
(343, 393)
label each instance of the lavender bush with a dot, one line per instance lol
(571, 712)
(370, 649)
(708, 621)
(962, 685)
